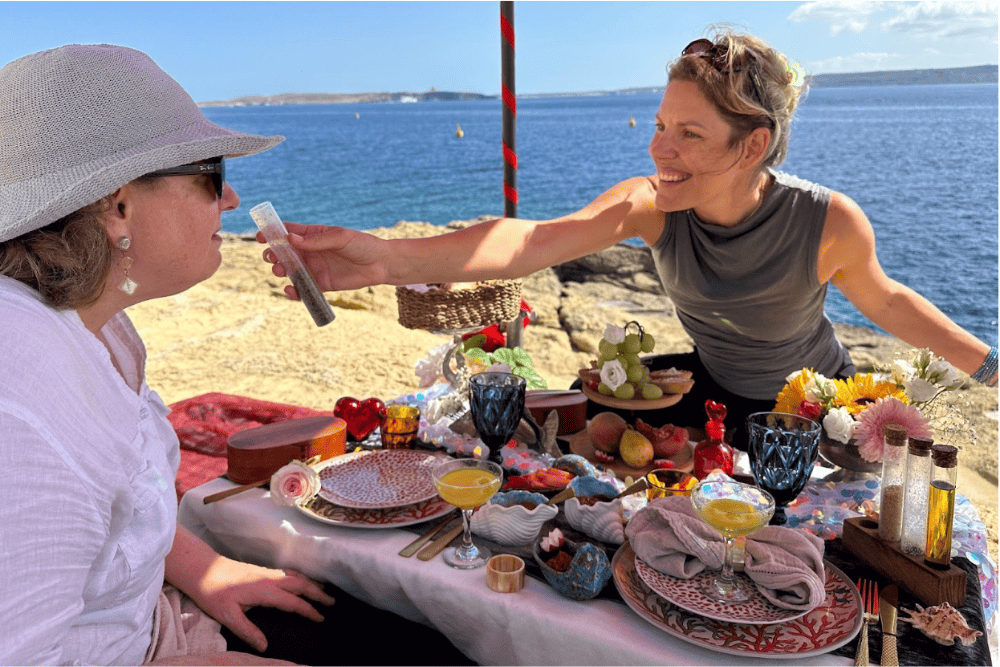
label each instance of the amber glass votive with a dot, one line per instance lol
(400, 426)
(664, 482)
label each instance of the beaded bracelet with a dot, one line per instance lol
(987, 372)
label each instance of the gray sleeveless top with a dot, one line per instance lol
(748, 295)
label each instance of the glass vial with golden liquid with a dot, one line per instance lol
(918, 480)
(890, 521)
(941, 506)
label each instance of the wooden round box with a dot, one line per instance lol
(258, 453)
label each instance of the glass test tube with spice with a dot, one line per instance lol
(890, 522)
(941, 506)
(918, 480)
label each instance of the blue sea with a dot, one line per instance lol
(920, 160)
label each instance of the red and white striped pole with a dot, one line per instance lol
(509, 109)
(515, 328)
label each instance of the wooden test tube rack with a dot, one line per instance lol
(930, 585)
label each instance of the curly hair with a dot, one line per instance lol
(68, 261)
(732, 90)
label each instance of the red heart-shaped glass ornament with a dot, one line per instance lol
(362, 417)
(716, 411)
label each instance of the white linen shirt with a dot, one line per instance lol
(87, 502)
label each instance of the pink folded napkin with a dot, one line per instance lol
(786, 564)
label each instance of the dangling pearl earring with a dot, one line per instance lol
(127, 285)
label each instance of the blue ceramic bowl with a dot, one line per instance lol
(588, 574)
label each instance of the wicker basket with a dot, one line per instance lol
(492, 302)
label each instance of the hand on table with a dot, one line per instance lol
(229, 588)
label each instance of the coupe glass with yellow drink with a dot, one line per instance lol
(467, 484)
(733, 509)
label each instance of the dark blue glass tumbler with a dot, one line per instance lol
(783, 450)
(496, 401)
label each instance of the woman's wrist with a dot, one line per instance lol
(987, 373)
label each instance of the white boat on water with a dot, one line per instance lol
(409, 99)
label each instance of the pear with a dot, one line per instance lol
(635, 449)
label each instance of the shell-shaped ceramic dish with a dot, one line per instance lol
(604, 520)
(588, 573)
(506, 522)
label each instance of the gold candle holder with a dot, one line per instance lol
(400, 426)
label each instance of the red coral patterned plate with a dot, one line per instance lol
(687, 594)
(825, 628)
(392, 517)
(380, 479)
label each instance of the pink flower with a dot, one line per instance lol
(870, 433)
(294, 483)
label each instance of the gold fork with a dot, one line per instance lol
(869, 605)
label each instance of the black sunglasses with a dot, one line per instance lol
(716, 54)
(214, 167)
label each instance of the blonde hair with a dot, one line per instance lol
(68, 261)
(750, 65)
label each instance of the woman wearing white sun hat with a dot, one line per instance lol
(112, 186)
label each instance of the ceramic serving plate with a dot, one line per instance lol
(380, 479)
(392, 517)
(687, 594)
(827, 627)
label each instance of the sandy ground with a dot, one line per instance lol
(236, 333)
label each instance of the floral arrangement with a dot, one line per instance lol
(860, 407)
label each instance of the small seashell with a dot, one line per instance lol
(942, 623)
(588, 573)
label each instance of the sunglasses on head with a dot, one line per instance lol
(716, 55)
(214, 167)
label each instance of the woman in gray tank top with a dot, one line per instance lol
(745, 252)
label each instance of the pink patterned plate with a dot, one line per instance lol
(687, 594)
(392, 517)
(825, 628)
(380, 479)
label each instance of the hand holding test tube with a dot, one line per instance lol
(277, 237)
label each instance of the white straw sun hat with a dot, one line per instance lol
(80, 121)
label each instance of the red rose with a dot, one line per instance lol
(810, 410)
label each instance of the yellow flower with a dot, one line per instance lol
(793, 394)
(858, 393)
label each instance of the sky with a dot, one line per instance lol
(224, 50)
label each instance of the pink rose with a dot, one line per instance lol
(294, 483)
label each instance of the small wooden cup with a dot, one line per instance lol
(505, 573)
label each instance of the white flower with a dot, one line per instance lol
(919, 390)
(499, 368)
(942, 373)
(820, 389)
(794, 376)
(614, 334)
(613, 374)
(902, 371)
(294, 483)
(839, 425)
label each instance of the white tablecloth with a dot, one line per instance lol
(535, 626)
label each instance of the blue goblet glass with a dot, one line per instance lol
(783, 450)
(496, 401)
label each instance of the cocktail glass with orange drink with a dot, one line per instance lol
(734, 509)
(467, 484)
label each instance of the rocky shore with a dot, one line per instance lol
(237, 333)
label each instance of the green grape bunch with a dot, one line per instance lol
(624, 346)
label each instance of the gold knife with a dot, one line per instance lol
(888, 597)
(438, 545)
(415, 545)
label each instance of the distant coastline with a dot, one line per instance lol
(952, 75)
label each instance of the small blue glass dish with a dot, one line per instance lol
(588, 573)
